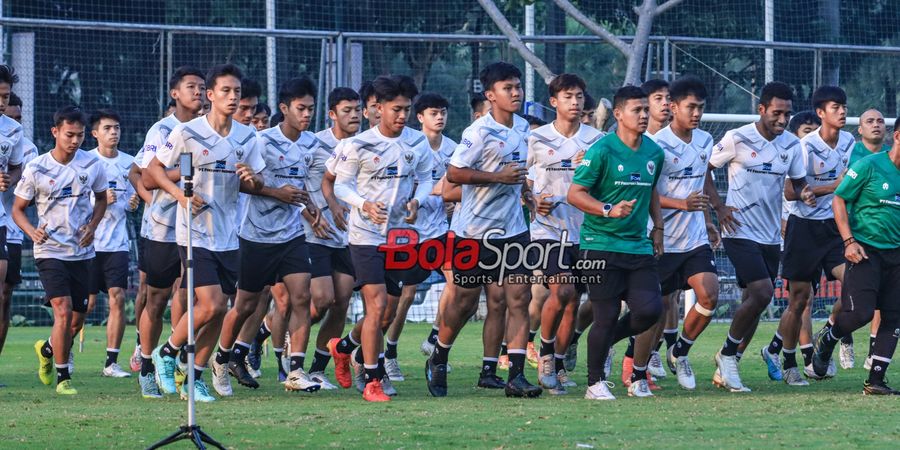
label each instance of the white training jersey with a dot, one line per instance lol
(112, 232)
(824, 165)
(551, 168)
(487, 146)
(683, 172)
(215, 225)
(159, 215)
(757, 169)
(14, 235)
(431, 221)
(271, 221)
(12, 150)
(384, 170)
(323, 158)
(62, 195)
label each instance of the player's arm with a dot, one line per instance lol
(14, 174)
(695, 201)
(135, 177)
(25, 195)
(579, 195)
(168, 155)
(656, 235)
(346, 172)
(848, 192)
(723, 153)
(99, 187)
(450, 192)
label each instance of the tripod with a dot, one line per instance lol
(190, 431)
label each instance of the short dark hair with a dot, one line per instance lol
(69, 114)
(498, 71)
(15, 100)
(340, 94)
(564, 82)
(685, 86)
(655, 85)
(390, 87)
(8, 75)
(366, 91)
(477, 100)
(224, 70)
(262, 108)
(825, 94)
(534, 120)
(276, 119)
(171, 103)
(430, 100)
(775, 89)
(101, 114)
(803, 118)
(590, 103)
(182, 72)
(625, 93)
(250, 88)
(293, 89)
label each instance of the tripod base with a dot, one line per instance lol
(191, 432)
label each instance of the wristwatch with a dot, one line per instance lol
(607, 207)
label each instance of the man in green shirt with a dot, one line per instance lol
(871, 136)
(615, 187)
(871, 192)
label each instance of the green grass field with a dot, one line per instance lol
(109, 413)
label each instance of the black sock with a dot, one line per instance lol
(182, 356)
(503, 349)
(381, 371)
(390, 350)
(871, 343)
(147, 366)
(876, 374)
(658, 346)
(807, 352)
(62, 373)
(776, 345)
(222, 356)
(239, 352)
(168, 350)
(576, 336)
(531, 335)
(319, 361)
(682, 346)
(138, 333)
(629, 351)
(297, 360)
(432, 337)
(790, 359)
(358, 357)
(346, 345)
(112, 356)
(829, 341)
(639, 374)
(559, 363)
(731, 346)
(262, 334)
(828, 325)
(670, 336)
(371, 374)
(489, 366)
(547, 347)
(441, 354)
(279, 353)
(47, 350)
(848, 339)
(198, 374)
(516, 365)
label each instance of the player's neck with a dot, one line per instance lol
(764, 133)
(894, 154)
(61, 156)
(873, 146)
(387, 132)
(685, 134)
(289, 132)
(654, 126)
(829, 135)
(183, 114)
(435, 138)
(631, 138)
(567, 128)
(504, 118)
(107, 152)
(220, 123)
(339, 133)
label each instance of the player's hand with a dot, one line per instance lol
(4, 181)
(622, 209)
(783, 228)
(657, 237)
(413, 207)
(245, 174)
(543, 206)
(339, 213)
(576, 160)
(808, 196)
(696, 201)
(726, 219)
(855, 253)
(715, 239)
(449, 207)
(134, 202)
(293, 195)
(39, 235)
(111, 197)
(321, 228)
(86, 235)
(197, 203)
(377, 212)
(511, 174)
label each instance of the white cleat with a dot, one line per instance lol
(792, 377)
(832, 369)
(728, 375)
(719, 382)
(427, 348)
(848, 356)
(683, 371)
(392, 368)
(256, 374)
(387, 387)
(655, 366)
(640, 388)
(359, 375)
(298, 380)
(114, 371)
(563, 377)
(868, 364)
(599, 391)
(546, 373)
(220, 380)
(322, 380)
(607, 366)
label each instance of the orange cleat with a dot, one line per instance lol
(374, 392)
(651, 384)
(627, 368)
(532, 355)
(503, 362)
(341, 364)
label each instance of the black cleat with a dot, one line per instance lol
(239, 372)
(436, 377)
(821, 357)
(520, 387)
(879, 389)
(254, 357)
(490, 380)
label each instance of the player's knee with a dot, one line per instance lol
(567, 294)
(646, 315)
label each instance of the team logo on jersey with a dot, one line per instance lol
(240, 153)
(885, 186)
(66, 192)
(467, 143)
(783, 157)
(651, 167)
(205, 151)
(719, 147)
(150, 148)
(307, 159)
(675, 160)
(515, 156)
(408, 157)
(832, 173)
(566, 163)
(822, 164)
(82, 178)
(688, 171)
(550, 152)
(52, 181)
(502, 144)
(220, 164)
(844, 160)
(634, 176)
(376, 159)
(703, 157)
(392, 171)
(293, 171)
(112, 184)
(753, 154)
(852, 174)
(767, 167)
(434, 175)
(621, 167)
(4, 148)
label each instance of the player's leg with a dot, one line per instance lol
(453, 318)
(376, 299)
(140, 300)
(251, 328)
(211, 304)
(539, 295)
(554, 334)
(493, 335)
(805, 340)
(789, 328)
(298, 286)
(886, 337)
(61, 343)
(605, 308)
(232, 350)
(873, 331)
(277, 325)
(706, 289)
(113, 267)
(518, 297)
(448, 293)
(583, 319)
(393, 333)
(332, 326)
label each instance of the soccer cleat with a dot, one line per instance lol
(640, 388)
(341, 364)
(821, 358)
(719, 382)
(180, 374)
(683, 370)
(503, 362)
(45, 364)
(868, 364)
(531, 355)
(563, 378)
(114, 371)
(392, 368)
(135, 362)
(847, 356)
(571, 357)
(298, 381)
(878, 389)
(251, 371)
(627, 369)
(241, 374)
(599, 391)
(201, 392)
(284, 365)
(221, 382)
(320, 379)
(373, 392)
(359, 372)
(792, 377)
(832, 369)
(149, 388)
(773, 365)
(490, 380)
(520, 387)
(427, 348)
(670, 363)
(254, 358)
(607, 366)
(546, 373)
(165, 372)
(436, 378)
(64, 387)
(655, 366)
(728, 373)
(388, 387)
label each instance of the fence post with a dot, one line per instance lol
(162, 72)
(339, 60)
(271, 62)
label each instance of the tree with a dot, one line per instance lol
(515, 42)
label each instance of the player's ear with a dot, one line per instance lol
(94, 133)
(896, 137)
(284, 109)
(761, 109)
(331, 115)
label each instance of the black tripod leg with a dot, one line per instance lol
(209, 440)
(183, 433)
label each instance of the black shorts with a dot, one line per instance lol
(213, 268)
(368, 262)
(325, 260)
(14, 267)
(163, 264)
(110, 270)
(810, 248)
(474, 275)
(620, 276)
(874, 283)
(420, 271)
(676, 268)
(141, 260)
(557, 260)
(266, 264)
(752, 261)
(66, 279)
(3, 253)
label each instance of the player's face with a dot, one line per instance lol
(245, 109)
(394, 114)
(226, 95)
(871, 125)
(189, 91)
(299, 113)
(659, 105)
(15, 113)
(506, 95)
(834, 114)
(107, 133)
(482, 110)
(433, 119)
(371, 112)
(569, 104)
(346, 116)
(634, 115)
(688, 111)
(69, 136)
(776, 115)
(204, 107)
(805, 129)
(5, 91)
(260, 121)
(587, 117)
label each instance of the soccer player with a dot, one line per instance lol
(590, 108)
(111, 241)
(250, 92)
(226, 158)
(431, 222)
(369, 104)
(162, 261)
(488, 163)
(759, 157)
(660, 101)
(376, 175)
(615, 187)
(480, 106)
(61, 182)
(867, 213)
(260, 118)
(552, 150)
